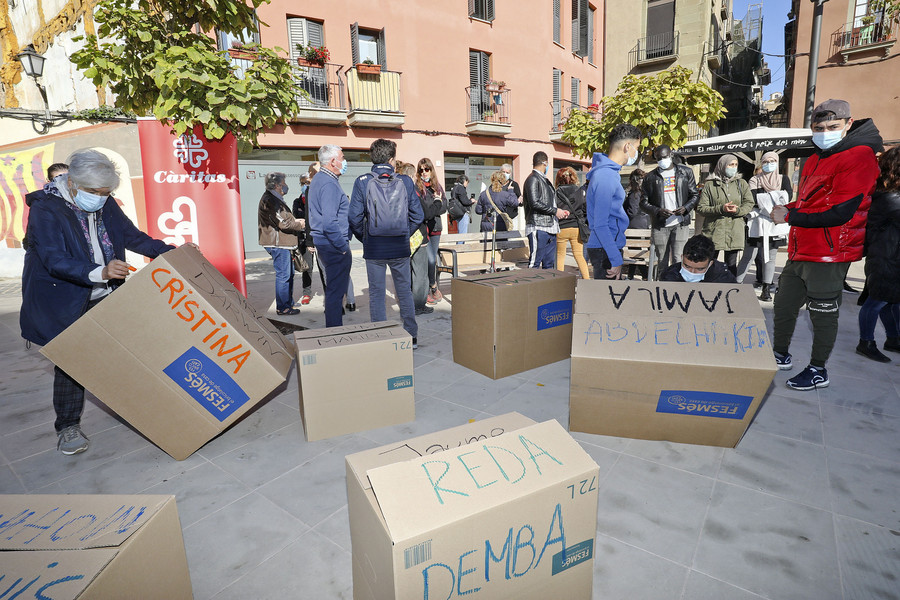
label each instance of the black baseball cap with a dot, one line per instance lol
(840, 108)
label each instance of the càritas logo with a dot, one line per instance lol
(189, 150)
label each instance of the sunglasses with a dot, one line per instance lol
(423, 169)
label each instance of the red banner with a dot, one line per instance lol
(192, 194)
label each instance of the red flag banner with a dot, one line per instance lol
(192, 194)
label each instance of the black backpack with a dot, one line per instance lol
(387, 207)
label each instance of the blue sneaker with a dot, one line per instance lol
(809, 378)
(783, 361)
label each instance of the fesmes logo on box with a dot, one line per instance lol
(704, 404)
(207, 383)
(554, 314)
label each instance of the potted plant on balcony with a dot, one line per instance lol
(593, 109)
(494, 86)
(487, 115)
(312, 56)
(239, 52)
(368, 67)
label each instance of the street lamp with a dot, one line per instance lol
(33, 64)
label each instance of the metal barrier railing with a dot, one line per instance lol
(653, 47)
(488, 105)
(325, 86)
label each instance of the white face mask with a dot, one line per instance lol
(665, 163)
(690, 276)
(633, 160)
(769, 167)
(826, 139)
(89, 202)
(730, 171)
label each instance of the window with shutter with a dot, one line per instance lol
(354, 43)
(479, 74)
(296, 35)
(557, 97)
(481, 9)
(313, 80)
(590, 35)
(576, 89)
(224, 40)
(660, 28)
(557, 22)
(368, 44)
(580, 27)
(591, 93)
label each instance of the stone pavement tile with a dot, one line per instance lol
(779, 466)
(337, 528)
(702, 460)
(28, 408)
(129, 473)
(557, 372)
(537, 401)
(479, 392)
(776, 548)
(434, 344)
(437, 375)
(230, 542)
(865, 488)
(9, 483)
(880, 397)
(200, 491)
(616, 444)
(316, 489)
(50, 466)
(420, 359)
(624, 572)
(432, 414)
(604, 458)
(871, 434)
(261, 421)
(653, 507)
(794, 417)
(702, 587)
(311, 567)
(870, 560)
(272, 455)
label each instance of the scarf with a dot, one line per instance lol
(769, 182)
(60, 187)
(719, 171)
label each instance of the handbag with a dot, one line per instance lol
(503, 215)
(300, 262)
(584, 230)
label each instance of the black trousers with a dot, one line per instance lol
(68, 394)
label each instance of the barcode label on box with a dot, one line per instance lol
(309, 359)
(417, 554)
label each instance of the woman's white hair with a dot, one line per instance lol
(328, 152)
(92, 169)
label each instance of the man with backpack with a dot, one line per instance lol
(384, 213)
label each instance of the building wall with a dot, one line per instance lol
(869, 81)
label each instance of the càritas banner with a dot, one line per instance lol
(192, 194)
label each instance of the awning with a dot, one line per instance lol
(788, 142)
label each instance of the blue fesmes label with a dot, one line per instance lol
(554, 314)
(396, 383)
(704, 404)
(207, 383)
(572, 556)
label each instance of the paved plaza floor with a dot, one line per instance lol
(806, 507)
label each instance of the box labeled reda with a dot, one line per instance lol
(509, 322)
(176, 351)
(499, 508)
(91, 547)
(668, 361)
(354, 378)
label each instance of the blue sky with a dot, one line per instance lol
(774, 18)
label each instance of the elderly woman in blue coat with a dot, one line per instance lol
(75, 257)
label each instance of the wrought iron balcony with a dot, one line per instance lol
(488, 110)
(327, 90)
(662, 47)
(560, 111)
(854, 37)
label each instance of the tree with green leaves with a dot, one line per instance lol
(890, 8)
(662, 107)
(159, 58)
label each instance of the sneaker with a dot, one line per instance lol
(305, 299)
(809, 378)
(425, 310)
(415, 343)
(783, 361)
(429, 299)
(72, 440)
(436, 294)
(351, 306)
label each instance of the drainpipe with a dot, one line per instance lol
(813, 61)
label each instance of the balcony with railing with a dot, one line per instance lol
(857, 37)
(559, 113)
(654, 49)
(488, 111)
(374, 97)
(326, 94)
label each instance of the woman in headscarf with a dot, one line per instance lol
(769, 188)
(724, 201)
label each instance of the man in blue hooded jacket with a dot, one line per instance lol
(605, 198)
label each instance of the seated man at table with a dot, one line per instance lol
(698, 264)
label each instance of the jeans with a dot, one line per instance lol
(418, 265)
(570, 235)
(820, 287)
(542, 246)
(462, 225)
(600, 262)
(400, 274)
(433, 242)
(284, 278)
(336, 267)
(868, 317)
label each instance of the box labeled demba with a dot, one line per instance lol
(509, 322)
(354, 378)
(176, 351)
(499, 508)
(668, 361)
(92, 547)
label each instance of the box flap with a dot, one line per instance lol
(519, 276)
(67, 572)
(73, 522)
(423, 494)
(361, 463)
(334, 336)
(697, 324)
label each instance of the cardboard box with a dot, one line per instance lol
(499, 508)
(176, 351)
(92, 547)
(509, 322)
(354, 378)
(668, 361)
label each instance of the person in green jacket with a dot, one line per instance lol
(724, 201)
